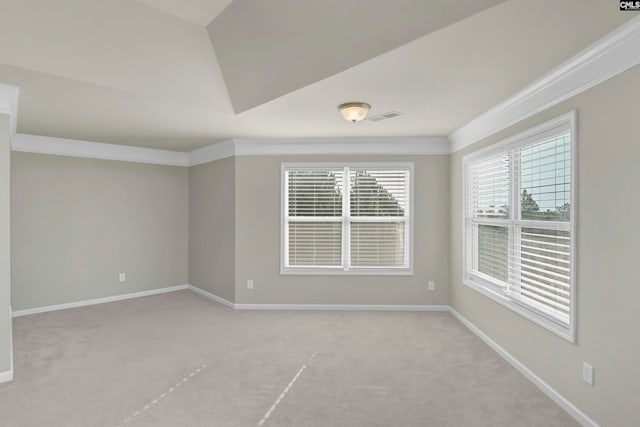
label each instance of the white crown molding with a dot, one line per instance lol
(430, 145)
(229, 148)
(609, 56)
(46, 309)
(96, 150)
(614, 53)
(210, 153)
(565, 404)
(319, 146)
(9, 96)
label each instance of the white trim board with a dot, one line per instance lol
(6, 376)
(438, 145)
(612, 54)
(427, 145)
(604, 59)
(576, 413)
(95, 301)
(211, 296)
(231, 147)
(569, 407)
(342, 307)
(9, 97)
(565, 404)
(218, 151)
(96, 150)
(318, 307)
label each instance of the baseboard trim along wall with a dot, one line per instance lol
(571, 409)
(342, 307)
(6, 376)
(211, 296)
(326, 307)
(95, 301)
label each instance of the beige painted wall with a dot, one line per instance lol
(5, 251)
(258, 239)
(212, 227)
(608, 253)
(77, 223)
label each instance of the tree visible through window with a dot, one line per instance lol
(518, 232)
(346, 218)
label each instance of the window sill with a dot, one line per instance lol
(567, 333)
(342, 272)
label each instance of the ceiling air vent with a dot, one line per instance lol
(384, 116)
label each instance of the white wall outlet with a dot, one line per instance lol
(249, 284)
(122, 277)
(431, 285)
(587, 373)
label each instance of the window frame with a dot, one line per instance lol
(483, 283)
(346, 219)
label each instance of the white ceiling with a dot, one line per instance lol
(197, 11)
(125, 73)
(292, 44)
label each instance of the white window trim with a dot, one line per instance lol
(483, 286)
(354, 271)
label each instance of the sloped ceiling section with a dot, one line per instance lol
(267, 49)
(200, 12)
(134, 73)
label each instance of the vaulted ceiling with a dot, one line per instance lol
(181, 74)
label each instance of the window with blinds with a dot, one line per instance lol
(519, 224)
(346, 219)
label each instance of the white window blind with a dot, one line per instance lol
(315, 217)
(346, 218)
(519, 239)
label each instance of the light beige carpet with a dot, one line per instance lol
(180, 360)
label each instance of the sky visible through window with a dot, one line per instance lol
(545, 180)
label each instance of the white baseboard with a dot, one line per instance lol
(342, 307)
(211, 296)
(6, 376)
(95, 301)
(326, 307)
(571, 409)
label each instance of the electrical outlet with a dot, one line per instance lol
(587, 373)
(431, 285)
(249, 284)
(122, 277)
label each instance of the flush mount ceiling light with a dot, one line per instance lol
(354, 111)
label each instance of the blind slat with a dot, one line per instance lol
(375, 219)
(525, 249)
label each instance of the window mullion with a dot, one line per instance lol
(285, 214)
(514, 229)
(408, 222)
(346, 226)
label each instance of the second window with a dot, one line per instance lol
(346, 219)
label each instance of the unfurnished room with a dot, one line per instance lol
(319, 213)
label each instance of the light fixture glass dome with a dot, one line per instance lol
(354, 111)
